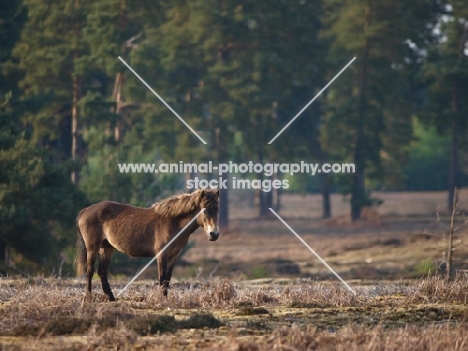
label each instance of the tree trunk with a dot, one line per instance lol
(119, 81)
(358, 195)
(275, 195)
(449, 268)
(224, 208)
(3, 250)
(75, 98)
(262, 196)
(268, 201)
(117, 95)
(453, 170)
(278, 200)
(223, 193)
(324, 186)
(262, 203)
(325, 190)
(188, 176)
(74, 132)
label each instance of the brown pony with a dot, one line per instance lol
(142, 232)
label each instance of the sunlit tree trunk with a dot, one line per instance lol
(75, 129)
(75, 117)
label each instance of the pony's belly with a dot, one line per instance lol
(129, 246)
(141, 253)
(132, 250)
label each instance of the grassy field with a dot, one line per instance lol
(217, 314)
(259, 288)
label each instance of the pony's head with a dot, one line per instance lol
(209, 200)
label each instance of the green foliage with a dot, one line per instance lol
(38, 203)
(258, 272)
(48, 54)
(37, 200)
(427, 155)
(424, 267)
(101, 178)
(445, 72)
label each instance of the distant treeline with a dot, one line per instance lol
(237, 72)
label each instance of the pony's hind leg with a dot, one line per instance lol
(91, 259)
(105, 258)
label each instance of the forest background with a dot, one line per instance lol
(237, 72)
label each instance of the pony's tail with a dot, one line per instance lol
(81, 253)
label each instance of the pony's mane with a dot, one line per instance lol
(179, 204)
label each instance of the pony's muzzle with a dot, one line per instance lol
(214, 235)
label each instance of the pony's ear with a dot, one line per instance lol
(201, 195)
(217, 192)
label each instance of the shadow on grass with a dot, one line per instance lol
(147, 325)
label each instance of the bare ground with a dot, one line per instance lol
(403, 238)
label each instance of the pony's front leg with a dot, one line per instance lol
(164, 278)
(166, 267)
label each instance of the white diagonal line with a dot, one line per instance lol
(159, 253)
(313, 251)
(162, 100)
(311, 101)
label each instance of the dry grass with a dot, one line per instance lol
(357, 338)
(426, 315)
(436, 290)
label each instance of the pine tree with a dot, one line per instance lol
(260, 58)
(50, 53)
(445, 73)
(372, 101)
(38, 202)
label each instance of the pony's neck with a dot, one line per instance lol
(191, 213)
(186, 218)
